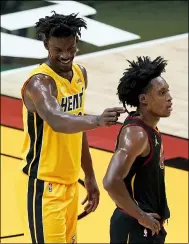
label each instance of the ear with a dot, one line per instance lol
(46, 44)
(143, 98)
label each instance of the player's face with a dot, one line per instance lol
(159, 100)
(62, 52)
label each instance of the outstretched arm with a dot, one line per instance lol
(39, 91)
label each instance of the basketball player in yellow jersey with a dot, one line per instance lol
(55, 144)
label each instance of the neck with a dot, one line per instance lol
(64, 74)
(148, 118)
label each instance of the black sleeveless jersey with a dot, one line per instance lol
(145, 180)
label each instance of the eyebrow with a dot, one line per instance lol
(73, 45)
(164, 88)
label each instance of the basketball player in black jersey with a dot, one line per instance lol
(135, 176)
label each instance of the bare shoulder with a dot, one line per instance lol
(84, 71)
(134, 132)
(38, 80)
(133, 137)
(41, 82)
(36, 89)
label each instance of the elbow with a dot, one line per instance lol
(107, 184)
(57, 126)
(62, 126)
(111, 183)
(54, 126)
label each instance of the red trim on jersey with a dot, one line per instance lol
(137, 118)
(125, 212)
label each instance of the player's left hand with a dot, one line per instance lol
(93, 194)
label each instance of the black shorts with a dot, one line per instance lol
(125, 229)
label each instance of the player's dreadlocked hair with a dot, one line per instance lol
(136, 79)
(59, 25)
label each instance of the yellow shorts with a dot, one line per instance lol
(49, 211)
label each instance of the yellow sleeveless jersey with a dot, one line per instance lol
(48, 155)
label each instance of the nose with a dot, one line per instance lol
(64, 56)
(169, 98)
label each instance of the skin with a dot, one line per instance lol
(156, 103)
(40, 96)
(134, 143)
(61, 50)
(40, 93)
(93, 194)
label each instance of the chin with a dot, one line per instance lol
(165, 115)
(66, 68)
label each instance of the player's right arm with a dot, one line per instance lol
(133, 142)
(41, 93)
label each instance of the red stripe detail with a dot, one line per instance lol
(104, 138)
(121, 210)
(11, 112)
(137, 118)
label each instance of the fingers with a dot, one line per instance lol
(116, 109)
(155, 215)
(153, 231)
(111, 119)
(92, 204)
(85, 200)
(88, 208)
(96, 202)
(157, 226)
(112, 114)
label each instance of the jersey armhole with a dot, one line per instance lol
(82, 75)
(150, 154)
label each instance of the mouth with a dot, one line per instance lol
(65, 61)
(170, 108)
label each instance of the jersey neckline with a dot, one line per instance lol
(60, 77)
(137, 118)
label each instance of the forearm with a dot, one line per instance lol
(120, 195)
(86, 160)
(67, 123)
